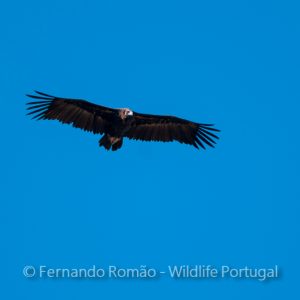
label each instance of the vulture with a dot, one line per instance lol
(116, 124)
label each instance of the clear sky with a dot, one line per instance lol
(65, 202)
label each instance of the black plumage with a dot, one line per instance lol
(116, 124)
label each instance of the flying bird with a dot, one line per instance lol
(117, 124)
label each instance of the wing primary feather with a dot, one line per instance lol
(203, 139)
(199, 142)
(43, 94)
(39, 97)
(38, 115)
(194, 143)
(209, 133)
(208, 127)
(37, 106)
(206, 136)
(37, 110)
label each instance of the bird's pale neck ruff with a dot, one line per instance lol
(125, 112)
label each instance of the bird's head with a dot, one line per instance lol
(125, 113)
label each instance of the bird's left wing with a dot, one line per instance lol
(168, 128)
(79, 113)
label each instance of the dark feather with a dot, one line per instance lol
(100, 119)
(168, 128)
(79, 113)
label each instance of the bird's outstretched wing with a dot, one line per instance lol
(169, 128)
(78, 113)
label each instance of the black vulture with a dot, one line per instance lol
(115, 124)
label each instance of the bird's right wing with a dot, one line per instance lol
(79, 113)
(169, 128)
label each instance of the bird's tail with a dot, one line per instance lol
(111, 142)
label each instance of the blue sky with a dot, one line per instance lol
(68, 203)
